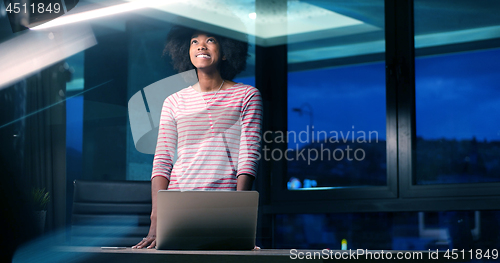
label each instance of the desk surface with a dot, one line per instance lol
(258, 252)
(97, 254)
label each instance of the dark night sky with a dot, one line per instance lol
(457, 96)
(341, 98)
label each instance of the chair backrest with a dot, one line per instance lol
(110, 213)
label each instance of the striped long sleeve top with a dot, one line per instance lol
(217, 137)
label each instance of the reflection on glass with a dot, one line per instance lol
(74, 118)
(453, 22)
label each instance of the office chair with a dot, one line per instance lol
(110, 213)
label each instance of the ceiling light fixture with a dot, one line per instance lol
(101, 12)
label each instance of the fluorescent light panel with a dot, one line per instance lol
(101, 12)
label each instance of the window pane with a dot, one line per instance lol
(457, 95)
(336, 102)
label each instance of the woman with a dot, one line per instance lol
(216, 123)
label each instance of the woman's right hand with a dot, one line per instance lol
(150, 240)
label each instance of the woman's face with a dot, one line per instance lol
(204, 51)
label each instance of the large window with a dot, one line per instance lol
(431, 98)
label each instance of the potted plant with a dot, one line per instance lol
(41, 199)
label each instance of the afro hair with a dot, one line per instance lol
(177, 47)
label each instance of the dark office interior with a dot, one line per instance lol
(380, 132)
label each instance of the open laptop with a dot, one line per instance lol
(206, 220)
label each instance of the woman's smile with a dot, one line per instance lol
(203, 55)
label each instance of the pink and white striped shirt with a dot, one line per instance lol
(217, 138)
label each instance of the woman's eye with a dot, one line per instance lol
(194, 41)
(211, 40)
